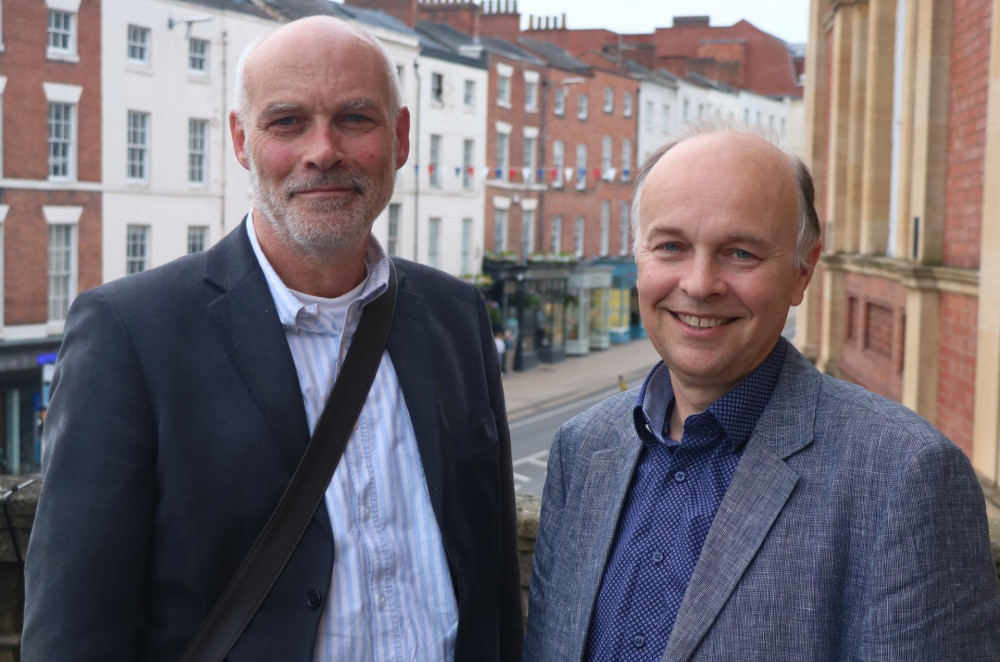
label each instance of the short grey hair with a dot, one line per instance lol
(808, 225)
(242, 99)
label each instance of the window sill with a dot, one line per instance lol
(72, 58)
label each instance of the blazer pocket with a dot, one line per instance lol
(476, 439)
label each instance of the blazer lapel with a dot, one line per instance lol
(253, 335)
(760, 487)
(605, 487)
(408, 348)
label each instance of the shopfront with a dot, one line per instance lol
(532, 301)
(588, 301)
(624, 321)
(25, 372)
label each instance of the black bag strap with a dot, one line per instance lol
(274, 546)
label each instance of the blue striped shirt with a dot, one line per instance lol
(391, 596)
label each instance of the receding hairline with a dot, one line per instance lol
(332, 26)
(808, 231)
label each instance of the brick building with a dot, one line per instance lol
(50, 199)
(741, 55)
(904, 144)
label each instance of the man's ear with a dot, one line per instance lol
(806, 271)
(239, 139)
(402, 137)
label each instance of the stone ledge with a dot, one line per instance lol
(21, 507)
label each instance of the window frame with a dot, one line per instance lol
(137, 153)
(434, 162)
(197, 238)
(132, 45)
(64, 271)
(136, 237)
(69, 158)
(203, 57)
(64, 33)
(437, 87)
(198, 157)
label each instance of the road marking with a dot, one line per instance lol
(534, 458)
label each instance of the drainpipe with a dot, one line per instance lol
(416, 181)
(225, 132)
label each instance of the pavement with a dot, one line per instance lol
(549, 385)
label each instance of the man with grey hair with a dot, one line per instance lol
(184, 396)
(739, 505)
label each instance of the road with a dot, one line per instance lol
(531, 436)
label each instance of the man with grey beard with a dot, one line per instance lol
(184, 396)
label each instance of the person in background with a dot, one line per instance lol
(184, 396)
(501, 345)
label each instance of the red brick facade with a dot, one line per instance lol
(601, 190)
(742, 55)
(510, 182)
(25, 142)
(874, 328)
(967, 132)
(957, 369)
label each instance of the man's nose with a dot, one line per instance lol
(703, 278)
(323, 149)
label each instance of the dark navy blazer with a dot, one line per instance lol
(176, 421)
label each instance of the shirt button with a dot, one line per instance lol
(638, 641)
(366, 512)
(314, 599)
(680, 476)
(382, 599)
(657, 557)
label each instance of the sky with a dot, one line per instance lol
(787, 20)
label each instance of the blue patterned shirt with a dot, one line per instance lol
(672, 500)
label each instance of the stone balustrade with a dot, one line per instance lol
(20, 508)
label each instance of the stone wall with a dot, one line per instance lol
(21, 508)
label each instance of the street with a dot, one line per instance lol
(530, 438)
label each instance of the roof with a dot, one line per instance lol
(294, 9)
(240, 6)
(554, 55)
(443, 42)
(502, 47)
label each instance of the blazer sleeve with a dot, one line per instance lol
(86, 559)
(933, 592)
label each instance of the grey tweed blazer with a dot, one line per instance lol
(851, 530)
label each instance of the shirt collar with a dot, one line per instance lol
(737, 411)
(289, 307)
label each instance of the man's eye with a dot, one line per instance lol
(284, 121)
(671, 247)
(741, 254)
(356, 118)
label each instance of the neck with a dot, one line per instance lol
(689, 401)
(329, 274)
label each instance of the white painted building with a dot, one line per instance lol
(667, 101)
(171, 183)
(436, 214)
